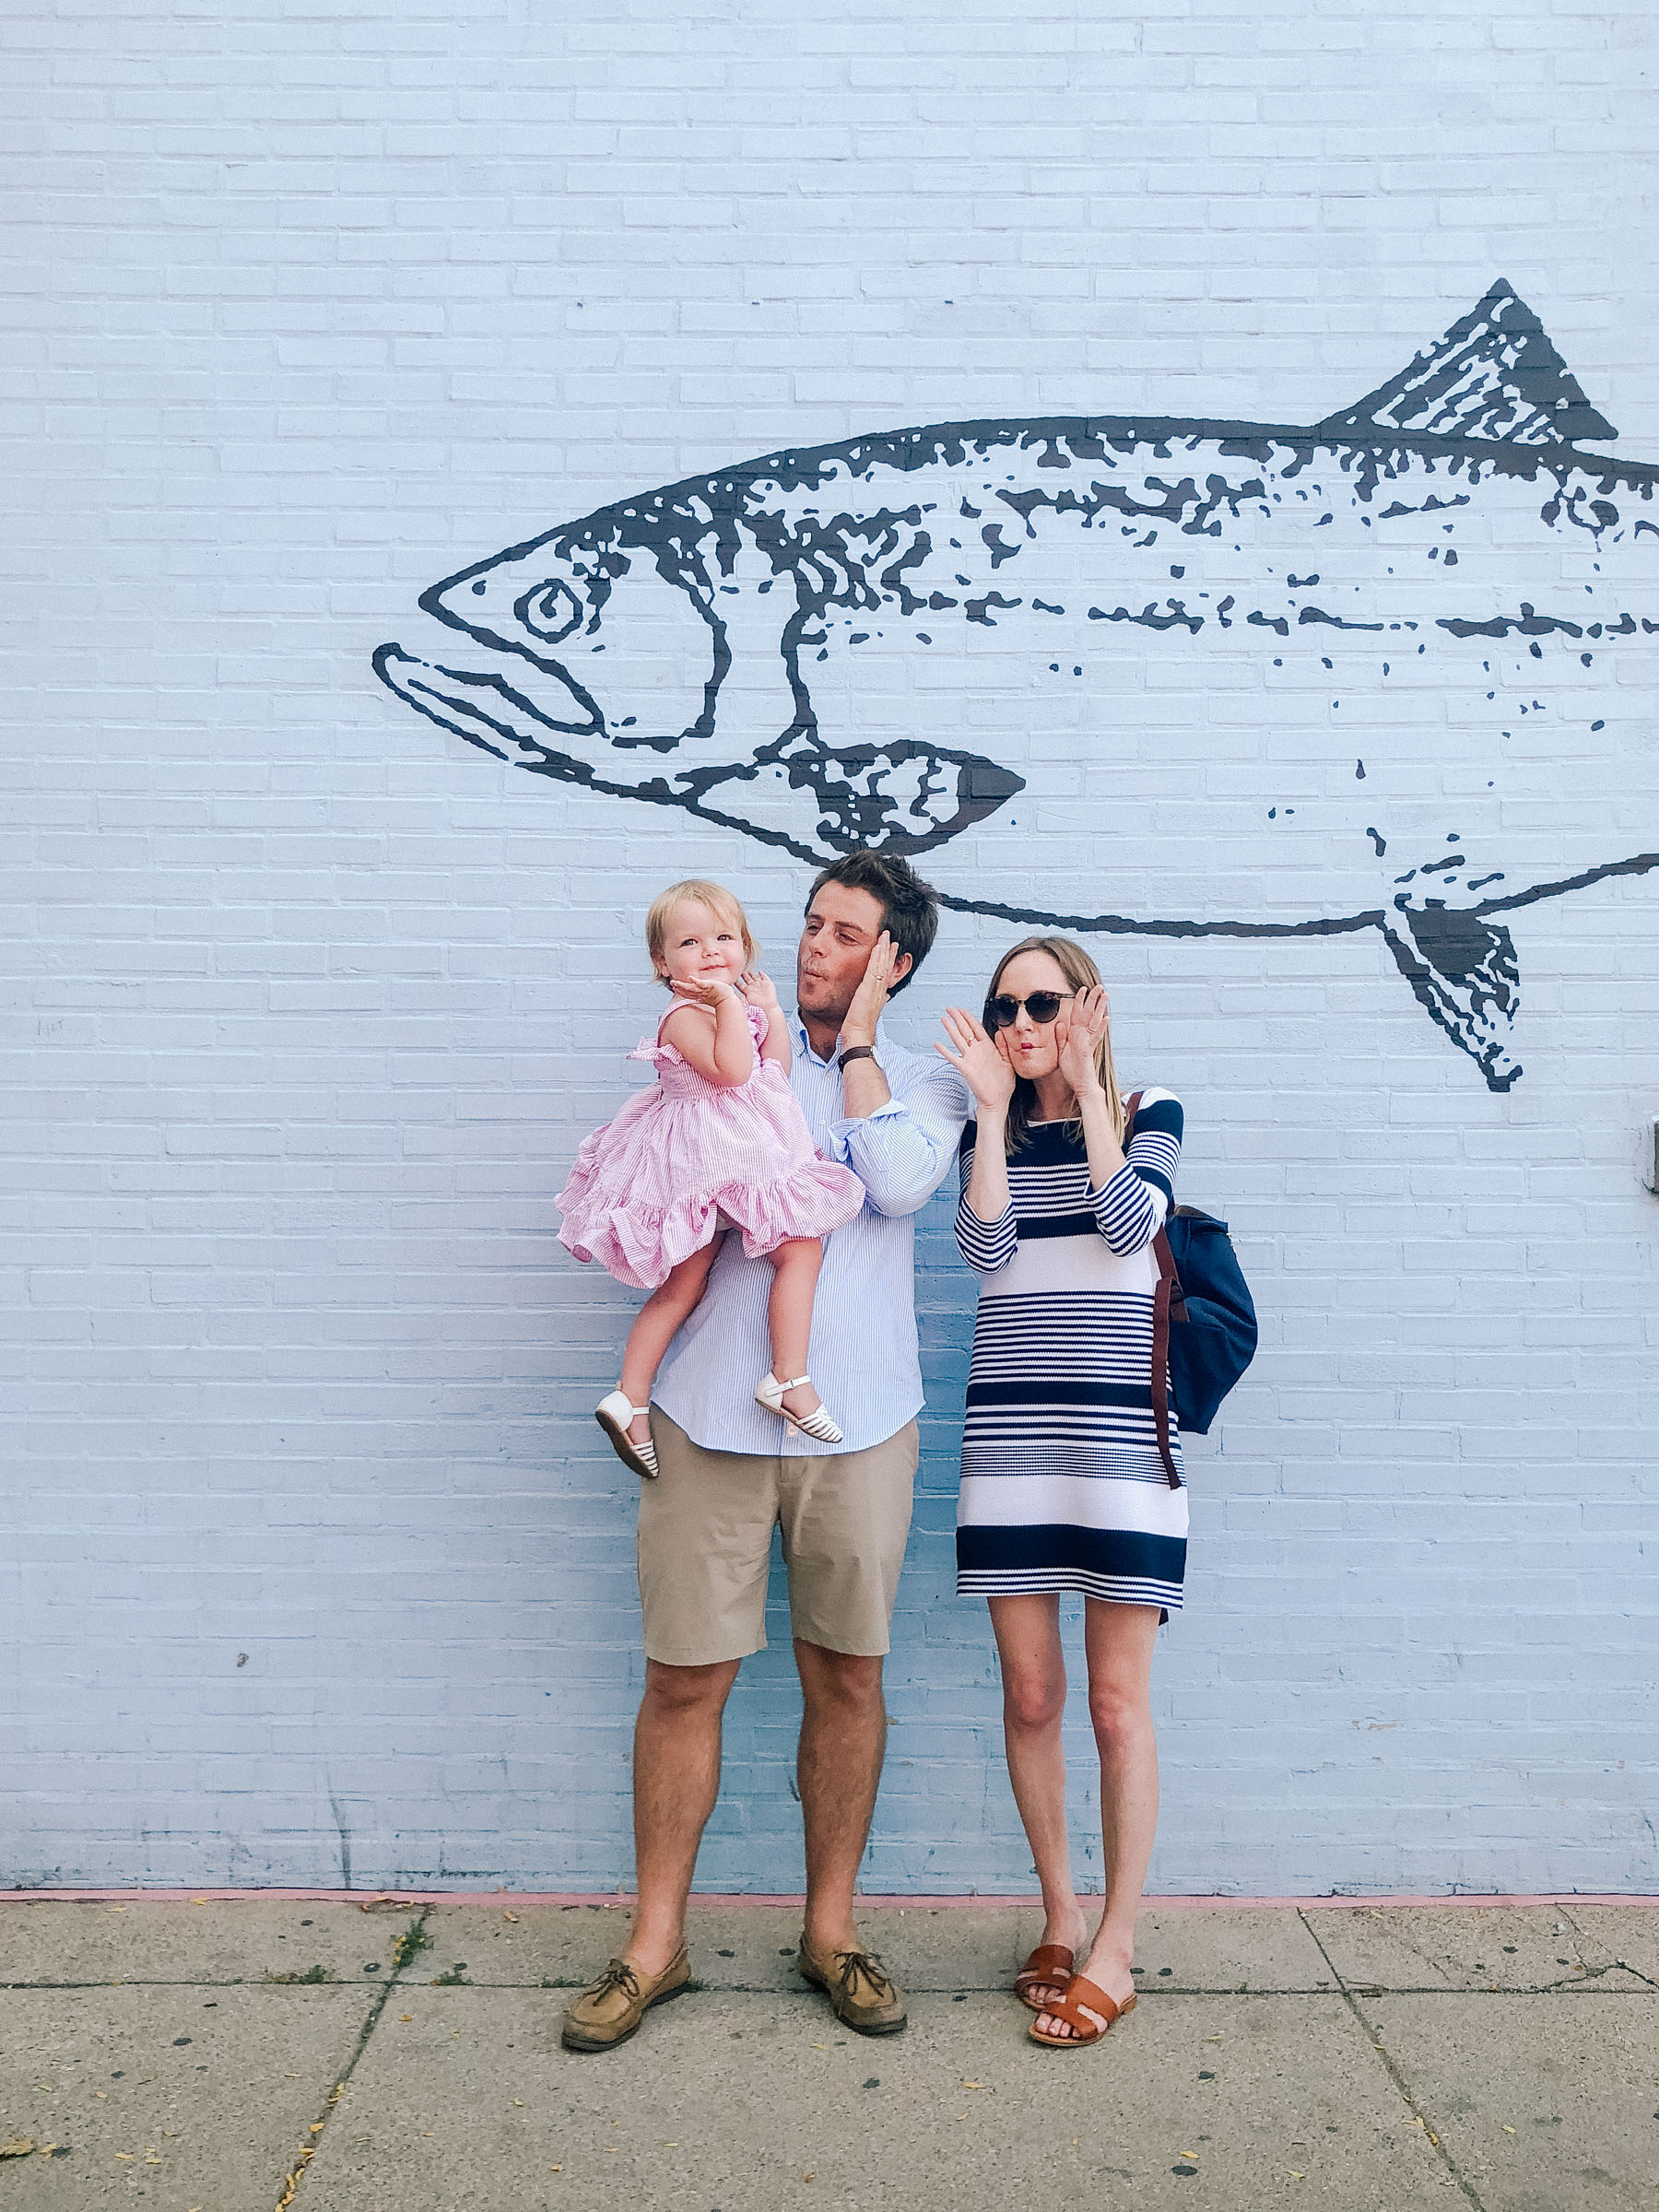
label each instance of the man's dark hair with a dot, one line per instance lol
(909, 908)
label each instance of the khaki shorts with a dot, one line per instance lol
(705, 1546)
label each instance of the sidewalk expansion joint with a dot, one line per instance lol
(405, 1950)
(552, 1983)
(1393, 2072)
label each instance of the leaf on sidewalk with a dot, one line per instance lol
(19, 2147)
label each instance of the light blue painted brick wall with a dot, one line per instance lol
(307, 1004)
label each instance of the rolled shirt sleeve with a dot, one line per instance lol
(902, 1152)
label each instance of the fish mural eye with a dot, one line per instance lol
(551, 612)
(1131, 662)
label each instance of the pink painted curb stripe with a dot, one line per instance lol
(616, 1900)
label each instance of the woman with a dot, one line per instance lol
(1064, 1487)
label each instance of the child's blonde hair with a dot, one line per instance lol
(720, 903)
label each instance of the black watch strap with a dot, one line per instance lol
(856, 1051)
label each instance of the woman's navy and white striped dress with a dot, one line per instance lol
(1062, 1487)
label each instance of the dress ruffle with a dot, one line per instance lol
(685, 1157)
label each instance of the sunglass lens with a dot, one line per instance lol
(1001, 1012)
(1044, 1004)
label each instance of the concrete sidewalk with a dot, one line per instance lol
(346, 2057)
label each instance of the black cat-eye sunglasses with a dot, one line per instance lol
(1003, 1011)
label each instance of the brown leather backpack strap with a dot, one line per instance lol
(1169, 1289)
(1160, 1354)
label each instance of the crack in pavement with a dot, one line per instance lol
(406, 1947)
(1583, 1936)
(1394, 2075)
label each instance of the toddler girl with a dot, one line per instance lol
(717, 1142)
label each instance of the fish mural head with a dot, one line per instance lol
(625, 667)
(1266, 680)
(628, 645)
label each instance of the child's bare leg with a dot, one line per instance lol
(654, 1328)
(789, 1314)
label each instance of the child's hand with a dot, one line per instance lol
(761, 990)
(709, 991)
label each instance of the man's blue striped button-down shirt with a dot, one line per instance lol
(863, 1358)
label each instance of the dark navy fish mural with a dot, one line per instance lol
(1391, 671)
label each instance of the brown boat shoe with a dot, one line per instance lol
(861, 1990)
(610, 2009)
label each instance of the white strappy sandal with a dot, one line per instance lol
(613, 1415)
(769, 1392)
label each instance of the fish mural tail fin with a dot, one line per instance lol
(1464, 973)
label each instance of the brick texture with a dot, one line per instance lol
(315, 1566)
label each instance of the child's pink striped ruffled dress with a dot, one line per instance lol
(686, 1157)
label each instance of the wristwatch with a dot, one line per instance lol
(856, 1051)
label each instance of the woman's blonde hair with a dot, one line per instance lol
(720, 902)
(1082, 974)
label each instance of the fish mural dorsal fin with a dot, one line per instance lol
(1495, 375)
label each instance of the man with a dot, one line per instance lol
(729, 1473)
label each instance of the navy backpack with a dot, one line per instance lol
(1203, 1326)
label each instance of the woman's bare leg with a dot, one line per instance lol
(789, 1314)
(654, 1328)
(1119, 1640)
(1033, 1672)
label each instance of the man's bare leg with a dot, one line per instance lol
(843, 1738)
(675, 1781)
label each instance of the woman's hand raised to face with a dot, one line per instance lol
(1080, 1024)
(982, 1060)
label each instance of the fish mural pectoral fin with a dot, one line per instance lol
(1464, 973)
(895, 796)
(902, 796)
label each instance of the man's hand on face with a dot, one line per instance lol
(872, 994)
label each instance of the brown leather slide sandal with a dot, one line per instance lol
(1080, 1992)
(1050, 1966)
